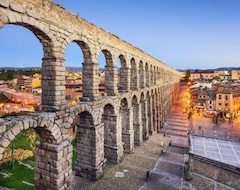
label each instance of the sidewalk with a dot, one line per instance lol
(131, 173)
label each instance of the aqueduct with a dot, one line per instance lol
(108, 126)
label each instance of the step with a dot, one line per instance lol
(178, 150)
(173, 156)
(170, 169)
(179, 141)
(176, 128)
(170, 123)
(174, 132)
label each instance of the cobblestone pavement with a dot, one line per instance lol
(131, 173)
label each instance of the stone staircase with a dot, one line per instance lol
(168, 173)
(176, 126)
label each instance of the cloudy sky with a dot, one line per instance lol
(198, 34)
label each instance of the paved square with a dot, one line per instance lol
(225, 151)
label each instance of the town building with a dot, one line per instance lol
(202, 75)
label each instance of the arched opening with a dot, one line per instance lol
(124, 74)
(147, 73)
(21, 53)
(49, 153)
(73, 66)
(151, 73)
(134, 75)
(108, 76)
(141, 75)
(154, 75)
(119, 65)
(17, 162)
(101, 73)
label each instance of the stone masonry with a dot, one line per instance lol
(109, 125)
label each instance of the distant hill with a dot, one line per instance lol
(19, 68)
(217, 69)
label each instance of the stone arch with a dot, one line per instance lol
(141, 74)
(40, 124)
(110, 81)
(39, 29)
(50, 54)
(151, 75)
(90, 77)
(79, 108)
(124, 75)
(154, 75)
(51, 143)
(134, 75)
(147, 74)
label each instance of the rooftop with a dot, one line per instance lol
(221, 150)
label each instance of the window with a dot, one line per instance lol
(226, 97)
(219, 97)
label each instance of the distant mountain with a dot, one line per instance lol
(217, 69)
(74, 68)
(227, 68)
(19, 68)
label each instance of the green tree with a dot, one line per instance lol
(188, 75)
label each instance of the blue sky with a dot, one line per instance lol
(198, 34)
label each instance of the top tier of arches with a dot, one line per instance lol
(55, 28)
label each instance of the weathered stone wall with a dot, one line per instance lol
(108, 125)
(222, 173)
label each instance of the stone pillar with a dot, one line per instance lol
(127, 131)
(90, 149)
(134, 79)
(142, 78)
(53, 84)
(124, 80)
(144, 120)
(53, 166)
(111, 76)
(154, 114)
(147, 78)
(113, 146)
(151, 76)
(158, 124)
(90, 81)
(137, 124)
(150, 115)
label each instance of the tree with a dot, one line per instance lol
(188, 75)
